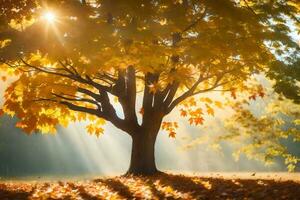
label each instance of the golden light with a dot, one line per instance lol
(49, 16)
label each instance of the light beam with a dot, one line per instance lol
(49, 16)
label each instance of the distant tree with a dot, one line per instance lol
(268, 135)
(72, 59)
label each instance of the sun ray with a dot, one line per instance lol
(50, 16)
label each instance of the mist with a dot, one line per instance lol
(72, 152)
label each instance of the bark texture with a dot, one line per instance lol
(143, 154)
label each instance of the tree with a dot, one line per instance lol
(267, 135)
(72, 58)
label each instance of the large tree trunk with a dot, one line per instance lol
(143, 153)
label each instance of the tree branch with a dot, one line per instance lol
(108, 112)
(81, 109)
(78, 99)
(192, 91)
(195, 22)
(171, 93)
(148, 97)
(251, 10)
(128, 101)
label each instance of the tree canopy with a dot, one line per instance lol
(72, 58)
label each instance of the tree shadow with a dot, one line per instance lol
(154, 190)
(116, 186)
(180, 183)
(83, 193)
(220, 188)
(8, 194)
(160, 186)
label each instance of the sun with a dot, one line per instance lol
(49, 16)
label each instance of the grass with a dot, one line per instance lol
(159, 186)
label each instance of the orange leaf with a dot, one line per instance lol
(183, 113)
(198, 120)
(198, 112)
(253, 97)
(1, 112)
(19, 125)
(172, 134)
(175, 125)
(261, 94)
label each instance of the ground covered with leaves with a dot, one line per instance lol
(160, 186)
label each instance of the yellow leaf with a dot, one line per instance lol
(90, 129)
(210, 110)
(218, 104)
(206, 99)
(99, 131)
(92, 117)
(297, 122)
(81, 116)
(100, 122)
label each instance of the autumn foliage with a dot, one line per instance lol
(160, 186)
(146, 56)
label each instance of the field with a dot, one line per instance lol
(160, 186)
